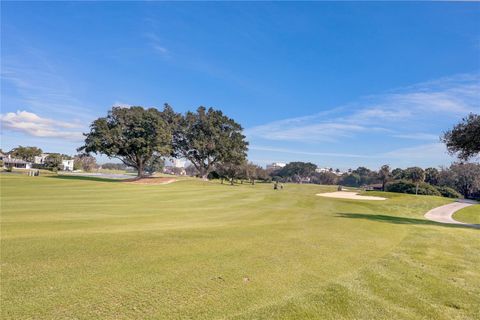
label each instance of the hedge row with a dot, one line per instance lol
(404, 186)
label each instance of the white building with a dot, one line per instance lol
(8, 161)
(178, 163)
(67, 164)
(276, 165)
(326, 169)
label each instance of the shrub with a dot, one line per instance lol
(448, 192)
(403, 186)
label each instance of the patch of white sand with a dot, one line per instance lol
(348, 195)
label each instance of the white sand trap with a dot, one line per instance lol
(348, 195)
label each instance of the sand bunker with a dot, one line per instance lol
(348, 195)
(150, 180)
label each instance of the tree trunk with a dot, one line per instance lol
(416, 188)
(231, 181)
(140, 170)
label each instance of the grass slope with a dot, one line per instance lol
(469, 214)
(83, 248)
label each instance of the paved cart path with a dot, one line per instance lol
(443, 214)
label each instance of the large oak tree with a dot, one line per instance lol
(208, 137)
(134, 135)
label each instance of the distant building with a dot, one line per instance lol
(9, 162)
(67, 164)
(326, 169)
(40, 159)
(276, 165)
(16, 163)
(178, 163)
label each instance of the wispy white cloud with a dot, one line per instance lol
(417, 136)
(34, 125)
(300, 152)
(155, 43)
(36, 83)
(402, 110)
(418, 152)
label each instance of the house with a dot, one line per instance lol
(16, 163)
(276, 165)
(40, 159)
(67, 164)
(9, 162)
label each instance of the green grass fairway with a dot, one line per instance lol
(80, 248)
(469, 214)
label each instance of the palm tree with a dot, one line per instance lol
(417, 175)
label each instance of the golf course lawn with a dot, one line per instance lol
(87, 248)
(468, 215)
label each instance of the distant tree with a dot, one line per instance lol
(350, 180)
(384, 175)
(431, 176)
(251, 172)
(464, 138)
(26, 153)
(297, 171)
(133, 135)
(417, 175)
(398, 174)
(328, 178)
(229, 171)
(84, 162)
(366, 175)
(208, 137)
(262, 174)
(54, 160)
(466, 178)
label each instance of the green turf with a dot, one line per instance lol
(469, 214)
(83, 248)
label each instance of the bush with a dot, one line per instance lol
(403, 186)
(448, 192)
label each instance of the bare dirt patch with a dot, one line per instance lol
(348, 195)
(150, 180)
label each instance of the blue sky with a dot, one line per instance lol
(337, 84)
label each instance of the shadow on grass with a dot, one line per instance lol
(86, 178)
(401, 220)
